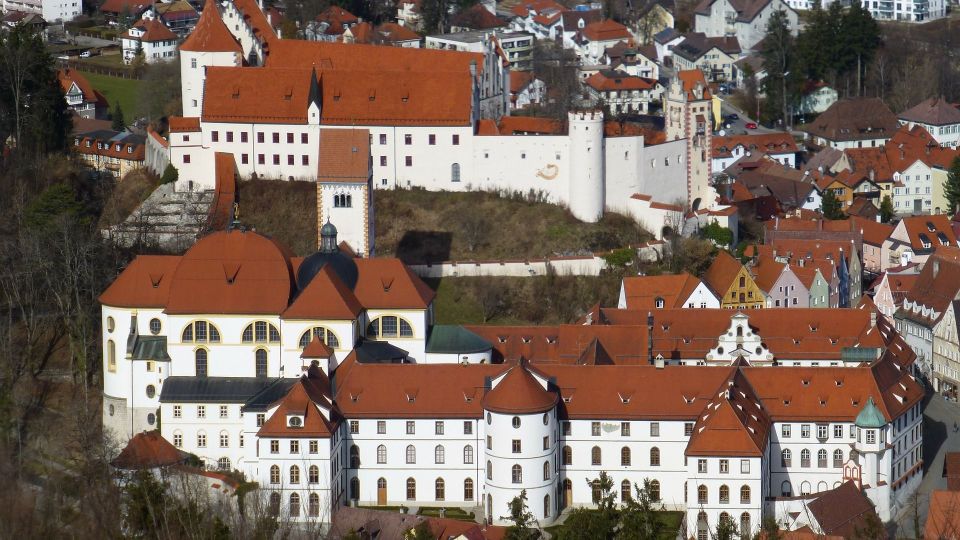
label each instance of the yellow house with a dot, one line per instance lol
(733, 284)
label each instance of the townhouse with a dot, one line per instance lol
(853, 123)
(666, 291)
(733, 284)
(727, 149)
(938, 117)
(622, 93)
(715, 56)
(746, 20)
(915, 238)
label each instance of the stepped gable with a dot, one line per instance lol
(390, 284)
(519, 392)
(253, 16)
(211, 34)
(234, 271)
(733, 423)
(148, 450)
(325, 297)
(144, 283)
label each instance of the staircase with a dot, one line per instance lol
(167, 220)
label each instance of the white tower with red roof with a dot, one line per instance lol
(210, 44)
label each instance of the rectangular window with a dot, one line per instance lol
(259, 136)
(383, 161)
(224, 440)
(688, 429)
(381, 427)
(805, 431)
(654, 429)
(408, 139)
(289, 159)
(785, 431)
(229, 136)
(244, 158)
(383, 138)
(276, 138)
(595, 429)
(546, 442)
(178, 440)
(724, 466)
(243, 136)
(260, 419)
(223, 411)
(822, 431)
(202, 440)
(431, 139)
(624, 429)
(261, 159)
(411, 429)
(274, 446)
(276, 159)
(304, 160)
(177, 411)
(304, 138)
(314, 447)
(354, 426)
(409, 161)
(289, 138)
(456, 140)
(702, 466)
(467, 428)
(438, 427)
(566, 429)
(515, 446)
(215, 136)
(294, 447)
(744, 466)
(186, 158)
(201, 411)
(871, 436)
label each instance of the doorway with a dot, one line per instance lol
(381, 492)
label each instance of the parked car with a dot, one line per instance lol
(733, 117)
(751, 125)
(85, 54)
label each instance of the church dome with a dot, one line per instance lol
(329, 254)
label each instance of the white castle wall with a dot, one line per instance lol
(589, 265)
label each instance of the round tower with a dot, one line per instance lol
(871, 440)
(520, 420)
(210, 44)
(586, 165)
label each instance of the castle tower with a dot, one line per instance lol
(874, 456)
(520, 415)
(210, 44)
(687, 115)
(586, 165)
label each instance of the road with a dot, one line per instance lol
(739, 126)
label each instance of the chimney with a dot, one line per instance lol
(650, 337)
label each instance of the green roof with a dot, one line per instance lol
(455, 339)
(870, 416)
(150, 348)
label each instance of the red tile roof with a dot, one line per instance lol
(722, 272)
(390, 284)
(607, 30)
(211, 34)
(344, 156)
(608, 81)
(325, 298)
(184, 124)
(153, 30)
(117, 7)
(924, 232)
(943, 516)
(767, 143)
(477, 17)
(529, 125)
(304, 399)
(642, 291)
(316, 349)
(854, 119)
(519, 392)
(540, 6)
(68, 77)
(148, 450)
(337, 18)
(733, 423)
(144, 283)
(691, 79)
(934, 112)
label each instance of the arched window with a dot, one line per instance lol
(439, 489)
(294, 474)
(724, 494)
(274, 474)
(261, 363)
(659, 303)
(389, 326)
(567, 455)
(625, 456)
(595, 455)
(111, 355)
(702, 494)
(805, 458)
(546, 470)
(294, 505)
(746, 529)
(411, 454)
(654, 457)
(313, 474)
(489, 471)
(274, 504)
(654, 491)
(200, 332)
(595, 491)
(438, 454)
(546, 506)
(411, 489)
(325, 335)
(455, 172)
(355, 488)
(725, 518)
(822, 458)
(786, 489)
(354, 457)
(805, 488)
(200, 362)
(223, 464)
(745, 494)
(516, 474)
(625, 488)
(838, 458)
(821, 486)
(381, 454)
(314, 506)
(786, 457)
(467, 454)
(468, 489)
(260, 332)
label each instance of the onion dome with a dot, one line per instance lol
(870, 416)
(328, 254)
(519, 392)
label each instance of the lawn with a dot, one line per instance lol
(449, 513)
(670, 520)
(116, 89)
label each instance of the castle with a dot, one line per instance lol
(431, 115)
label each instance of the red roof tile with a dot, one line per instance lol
(325, 298)
(148, 450)
(389, 284)
(144, 283)
(344, 156)
(607, 30)
(519, 392)
(153, 30)
(211, 34)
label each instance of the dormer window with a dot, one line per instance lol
(659, 303)
(295, 421)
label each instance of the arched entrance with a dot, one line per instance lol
(381, 491)
(567, 493)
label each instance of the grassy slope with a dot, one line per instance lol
(115, 88)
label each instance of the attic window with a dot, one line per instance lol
(796, 341)
(411, 398)
(568, 399)
(405, 97)
(855, 402)
(525, 339)
(336, 95)
(551, 339)
(236, 92)
(813, 328)
(686, 339)
(373, 95)
(287, 94)
(502, 339)
(833, 341)
(805, 382)
(689, 401)
(786, 402)
(838, 382)
(823, 402)
(295, 421)
(930, 226)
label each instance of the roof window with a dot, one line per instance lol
(805, 382)
(930, 226)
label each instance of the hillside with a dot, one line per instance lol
(418, 225)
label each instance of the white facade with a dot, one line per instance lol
(909, 11)
(722, 19)
(51, 10)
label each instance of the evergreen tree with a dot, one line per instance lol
(638, 519)
(522, 518)
(117, 117)
(886, 209)
(859, 40)
(778, 55)
(725, 530)
(421, 532)
(586, 524)
(951, 188)
(830, 206)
